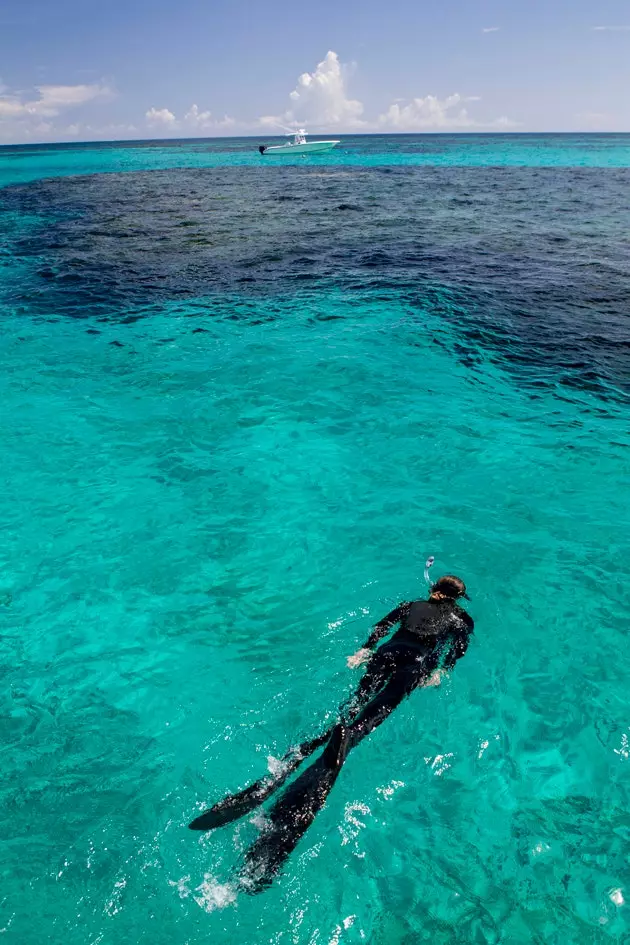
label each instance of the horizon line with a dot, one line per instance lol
(364, 134)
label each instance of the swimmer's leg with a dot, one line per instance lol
(244, 802)
(402, 682)
(378, 671)
(234, 806)
(293, 813)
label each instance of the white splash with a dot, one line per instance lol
(214, 895)
(346, 924)
(624, 751)
(274, 766)
(182, 886)
(616, 896)
(390, 789)
(113, 905)
(483, 745)
(540, 848)
(352, 825)
(259, 820)
(350, 615)
(440, 764)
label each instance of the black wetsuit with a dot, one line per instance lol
(432, 635)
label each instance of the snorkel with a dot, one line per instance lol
(427, 566)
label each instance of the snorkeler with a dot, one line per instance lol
(432, 636)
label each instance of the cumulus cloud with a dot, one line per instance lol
(194, 120)
(427, 112)
(321, 95)
(436, 114)
(10, 108)
(56, 98)
(321, 98)
(225, 122)
(51, 100)
(160, 116)
(23, 117)
(195, 117)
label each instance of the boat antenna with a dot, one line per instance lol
(297, 129)
(291, 131)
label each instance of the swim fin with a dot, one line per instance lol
(235, 806)
(293, 813)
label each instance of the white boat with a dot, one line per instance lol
(299, 145)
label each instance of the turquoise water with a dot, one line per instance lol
(25, 163)
(242, 405)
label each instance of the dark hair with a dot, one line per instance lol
(450, 587)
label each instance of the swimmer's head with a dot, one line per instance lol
(449, 587)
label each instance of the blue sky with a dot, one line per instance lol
(82, 69)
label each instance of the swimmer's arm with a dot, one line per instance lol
(381, 629)
(456, 650)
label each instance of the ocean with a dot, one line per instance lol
(244, 399)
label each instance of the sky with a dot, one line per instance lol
(90, 70)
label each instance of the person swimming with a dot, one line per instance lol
(433, 634)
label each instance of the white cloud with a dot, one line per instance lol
(195, 117)
(204, 120)
(11, 108)
(56, 98)
(437, 114)
(490, 29)
(21, 117)
(611, 29)
(320, 98)
(160, 116)
(52, 100)
(427, 112)
(194, 120)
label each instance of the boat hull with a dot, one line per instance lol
(311, 147)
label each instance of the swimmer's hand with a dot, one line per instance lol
(357, 658)
(436, 678)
